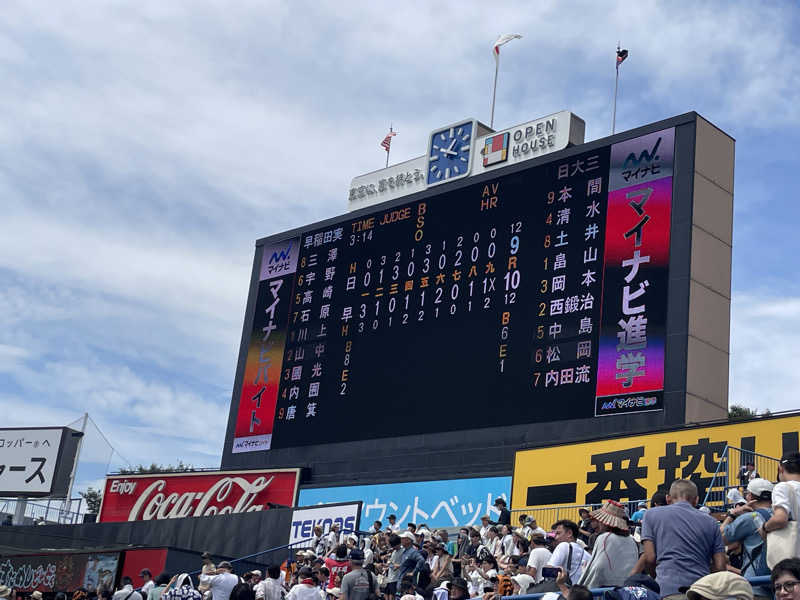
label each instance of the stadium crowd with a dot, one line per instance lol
(670, 549)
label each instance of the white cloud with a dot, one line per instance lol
(144, 147)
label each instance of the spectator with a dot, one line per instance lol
(338, 565)
(481, 576)
(614, 554)
(393, 567)
(256, 578)
(5, 591)
(506, 540)
(161, 583)
(505, 514)
(271, 587)
(539, 557)
(492, 542)
(375, 528)
(679, 541)
(458, 589)
(359, 583)
(659, 499)
(748, 473)
(786, 497)
(412, 527)
(535, 529)
(444, 566)
(786, 579)
(569, 556)
(317, 543)
(723, 585)
(444, 538)
(522, 582)
(149, 584)
(126, 592)
(742, 525)
(333, 539)
(585, 529)
(485, 525)
(243, 590)
(411, 561)
(305, 588)
(180, 588)
(221, 583)
(639, 514)
(393, 526)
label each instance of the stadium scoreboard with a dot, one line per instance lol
(523, 297)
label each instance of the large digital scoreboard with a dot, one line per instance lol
(538, 295)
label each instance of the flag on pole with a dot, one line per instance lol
(621, 56)
(504, 39)
(387, 141)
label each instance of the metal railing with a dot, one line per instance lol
(53, 511)
(732, 473)
(753, 581)
(546, 516)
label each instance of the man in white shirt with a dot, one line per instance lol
(393, 526)
(538, 557)
(306, 588)
(127, 592)
(568, 555)
(485, 525)
(149, 584)
(333, 539)
(271, 588)
(222, 582)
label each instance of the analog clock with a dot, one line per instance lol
(450, 152)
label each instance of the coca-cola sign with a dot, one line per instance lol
(177, 495)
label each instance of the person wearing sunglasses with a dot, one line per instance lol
(786, 579)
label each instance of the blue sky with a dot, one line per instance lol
(145, 146)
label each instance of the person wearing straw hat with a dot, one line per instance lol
(615, 553)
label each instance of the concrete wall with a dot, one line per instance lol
(710, 282)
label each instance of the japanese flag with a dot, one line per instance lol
(503, 39)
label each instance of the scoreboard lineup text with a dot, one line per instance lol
(483, 305)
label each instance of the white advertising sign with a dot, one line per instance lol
(492, 151)
(393, 182)
(28, 460)
(526, 141)
(305, 519)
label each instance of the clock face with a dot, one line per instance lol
(449, 152)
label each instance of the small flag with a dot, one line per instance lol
(387, 141)
(504, 39)
(621, 56)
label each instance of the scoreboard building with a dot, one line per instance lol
(504, 290)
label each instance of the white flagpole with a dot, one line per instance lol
(389, 148)
(616, 86)
(494, 89)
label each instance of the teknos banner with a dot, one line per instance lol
(176, 495)
(305, 519)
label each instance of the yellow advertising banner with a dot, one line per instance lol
(635, 467)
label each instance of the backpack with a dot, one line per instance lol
(242, 591)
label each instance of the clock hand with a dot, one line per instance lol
(449, 150)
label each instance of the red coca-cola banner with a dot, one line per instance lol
(176, 495)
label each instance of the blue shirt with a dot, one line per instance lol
(685, 541)
(637, 516)
(745, 529)
(411, 561)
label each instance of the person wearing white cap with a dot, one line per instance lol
(411, 560)
(723, 585)
(742, 523)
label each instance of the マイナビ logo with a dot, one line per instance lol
(644, 156)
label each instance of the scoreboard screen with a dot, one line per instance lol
(538, 295)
